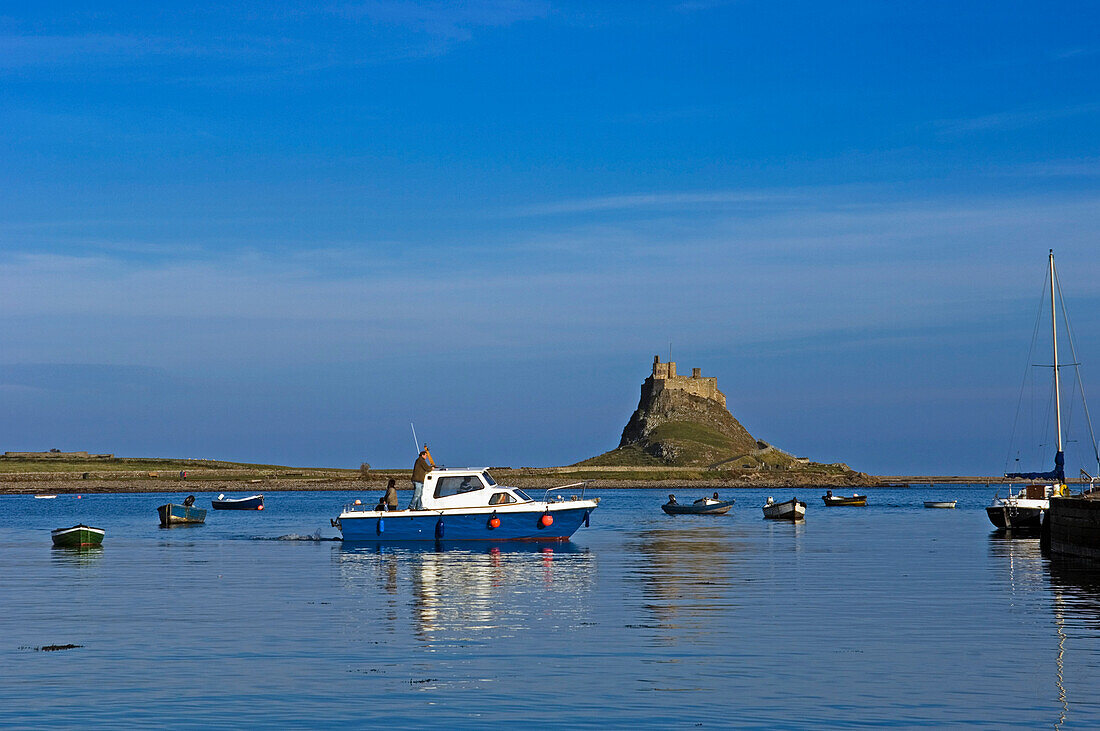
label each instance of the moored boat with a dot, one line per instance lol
(252, 502)
(1021, 509)
(172, 514)
(1025, 508)
(940, 503)
(45, 497)
(468, 505)
(79, 536)
(702, 506)
(791, 509)
(855, 501)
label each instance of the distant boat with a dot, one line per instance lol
(790, 510)
(855, 501)
(702, 506)
(79, 536)
(45, 497)
(253, 502)
(940, 503)
(171, 514)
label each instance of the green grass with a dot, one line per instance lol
(171, 467)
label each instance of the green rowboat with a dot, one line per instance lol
(79, 536)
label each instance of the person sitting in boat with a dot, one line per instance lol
(709, 500)
(672, 500)
(424, 464)
(381, 507)
(390, 498)
(189, 501)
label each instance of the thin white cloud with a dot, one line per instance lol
(1013, 119)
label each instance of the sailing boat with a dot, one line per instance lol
(1024, 509)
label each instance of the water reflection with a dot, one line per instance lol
(75, 556)
(1075, 598)
(460, 593)
(686, 576)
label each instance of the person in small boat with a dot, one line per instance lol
(390, 498)
(381, 507)
(672, 500)
(189, 501)
(424, 464)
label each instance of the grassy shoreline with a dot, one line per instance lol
(20, 476)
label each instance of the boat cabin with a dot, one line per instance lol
(467, 488)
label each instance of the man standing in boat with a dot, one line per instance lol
(424, 465)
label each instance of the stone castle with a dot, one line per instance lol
(664, 378)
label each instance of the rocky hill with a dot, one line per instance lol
(682, 421)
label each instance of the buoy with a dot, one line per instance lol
(494, 522)
(259, 507)
(439, 529)
(381, 526)
(358, 502)
(586, 514)
(78, 497)
(546, 520)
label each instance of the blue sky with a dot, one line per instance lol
(281, 232)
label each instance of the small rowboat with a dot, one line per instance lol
(790, 510)
(940, 503)
(79, 536)
(855, 501)
(172, 514)
(706, 506)
(253, 502)
(45, 497)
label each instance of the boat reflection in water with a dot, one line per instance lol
(687, 579)
(464, 592)
(1073, 586)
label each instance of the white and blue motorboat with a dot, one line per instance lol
(468, 505)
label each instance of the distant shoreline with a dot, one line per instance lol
(69, 486)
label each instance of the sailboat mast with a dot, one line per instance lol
(1054, 338)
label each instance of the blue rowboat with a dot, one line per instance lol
(468, 505)
(254, 502)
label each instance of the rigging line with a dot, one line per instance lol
(1027, 370)
(1077, 370)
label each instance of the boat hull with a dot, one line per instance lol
(789, 510)
(1007, 517)
(79, 536)
(944, 504)
(256, 502)
(433, 525)
(172, 514)
(713, 509)
(856, 501)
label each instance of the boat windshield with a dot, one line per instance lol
(522, 495)
(488, 479)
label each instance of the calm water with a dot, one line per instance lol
(890, 615)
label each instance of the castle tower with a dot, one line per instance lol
(664, 378)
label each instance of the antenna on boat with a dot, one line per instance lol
(416, 444)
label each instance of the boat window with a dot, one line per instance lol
(522, 494)
(500, 498)
(457, 485)
(488, 480)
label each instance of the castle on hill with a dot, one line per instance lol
(664, 378)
